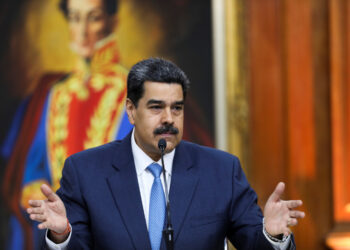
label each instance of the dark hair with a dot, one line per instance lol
(154, 70)
(111, 6)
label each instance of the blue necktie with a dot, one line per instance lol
(156, 208)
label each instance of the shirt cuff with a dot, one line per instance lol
(61, 246)
(276, 243)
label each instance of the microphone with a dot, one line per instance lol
(162, 145)
(168, 232)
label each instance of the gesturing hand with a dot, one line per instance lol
(279, 214)
(50, 212)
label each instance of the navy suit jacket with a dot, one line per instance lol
(210, 199)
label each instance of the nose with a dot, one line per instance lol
(83, 27)
(167, 117)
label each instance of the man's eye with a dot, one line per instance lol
(155, 107)
(178, 108)
(94, 18)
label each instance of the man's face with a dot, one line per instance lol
(159, 114)
(88, 23)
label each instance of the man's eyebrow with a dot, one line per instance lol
(179, 103)
(153, 101)
(97, 9)
(159, 102)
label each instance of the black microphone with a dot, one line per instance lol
(162, 145)
(168, 232)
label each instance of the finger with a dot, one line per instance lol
(35, 210)
(43, 225)
(292, 222)
(47, 191)
(35, 203)
(277, 193)
(293, 203)
(296, 214)
(38, 217)
(287, 232)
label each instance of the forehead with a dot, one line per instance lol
(85, 5)
(162, 91)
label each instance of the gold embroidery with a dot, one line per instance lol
(103, 74)
(98, 133)
(106, 76)
(75, 85)
(57, 131)
(117, 118)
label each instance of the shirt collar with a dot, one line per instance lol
(142, 160)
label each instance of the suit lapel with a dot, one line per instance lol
(125, 190)
(183, 185)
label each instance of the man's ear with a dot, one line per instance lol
(130, 110)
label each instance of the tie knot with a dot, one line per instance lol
(155, 169)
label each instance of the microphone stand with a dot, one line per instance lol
(168, 232)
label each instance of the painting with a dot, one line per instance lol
(64, 66)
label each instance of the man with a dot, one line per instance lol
(113, 198)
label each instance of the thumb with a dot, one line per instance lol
(47, 191)
(277, 193)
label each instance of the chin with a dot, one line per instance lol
(171, 140)
(85, 52)
(171, 145)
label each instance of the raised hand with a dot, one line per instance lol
(280, 215)
(51, 212)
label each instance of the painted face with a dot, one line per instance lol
(159, 114)
(88, 23)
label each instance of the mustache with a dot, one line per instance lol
(166, 129)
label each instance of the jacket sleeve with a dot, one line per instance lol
(246, 228)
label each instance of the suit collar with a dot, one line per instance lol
(125, 190)
(123, 157)
(184, 181)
